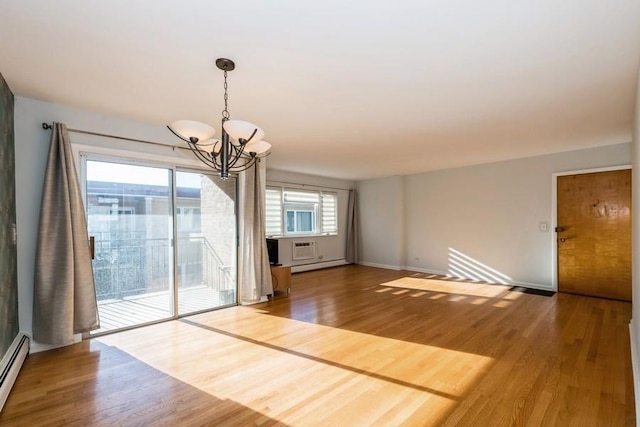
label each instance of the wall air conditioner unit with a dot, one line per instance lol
(304, 250)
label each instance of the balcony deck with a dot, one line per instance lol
(140, 309)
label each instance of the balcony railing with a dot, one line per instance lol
(130, 264)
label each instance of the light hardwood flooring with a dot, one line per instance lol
(351, 346)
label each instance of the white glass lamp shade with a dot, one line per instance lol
(238, 129)
(258, 147)
(188, 129)
(209, 145)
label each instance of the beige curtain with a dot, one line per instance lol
(352, 228)
(64, 300)
(255, 273)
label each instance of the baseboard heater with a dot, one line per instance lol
(11, 364)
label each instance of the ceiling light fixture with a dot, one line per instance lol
(241, 142)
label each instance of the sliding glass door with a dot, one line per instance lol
(134, 214)
(206, 230)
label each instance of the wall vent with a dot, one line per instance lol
(304, 250)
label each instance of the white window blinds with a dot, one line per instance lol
(300, 212)
(329, 213)
(297, 196)
(273, 201)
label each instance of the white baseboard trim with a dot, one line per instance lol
(514, 283)
(635, 365)
(445, 273)
(317, 265)
(373, 264)
(11, 364)
(424, 270)
(263, 298)
(37, 347)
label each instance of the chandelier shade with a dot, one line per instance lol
(238, 148)
(258, 147)
(192, 131)
(240, 130)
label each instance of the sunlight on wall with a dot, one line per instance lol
(461, 265)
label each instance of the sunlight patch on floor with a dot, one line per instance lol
(418, 294)
(446, 287)
(331, 360)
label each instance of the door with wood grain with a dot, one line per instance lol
(594, 234)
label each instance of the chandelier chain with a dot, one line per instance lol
(225, 112)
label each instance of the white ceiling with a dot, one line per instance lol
(349, 89)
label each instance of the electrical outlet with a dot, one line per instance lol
(544, 226)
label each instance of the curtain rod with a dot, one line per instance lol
(275, 181)
(47, 126)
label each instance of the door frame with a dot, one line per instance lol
(82, 153)
(554, 212)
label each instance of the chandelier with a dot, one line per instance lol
(238, 148)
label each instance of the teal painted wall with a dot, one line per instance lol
(9, 326)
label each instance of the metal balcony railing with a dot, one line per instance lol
(129, 264)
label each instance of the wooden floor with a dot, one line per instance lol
(351, 346)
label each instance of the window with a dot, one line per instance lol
(300, 221)
(273, 200)
(300, 212)
(189, 218)
(329, 213)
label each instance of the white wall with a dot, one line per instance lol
(489, 213)
(382, 222)
(330, 250)
(32, 143)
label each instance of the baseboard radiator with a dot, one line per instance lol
(11, 364)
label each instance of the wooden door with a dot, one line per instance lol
(594, 234)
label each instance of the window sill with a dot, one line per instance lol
(298, 236)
